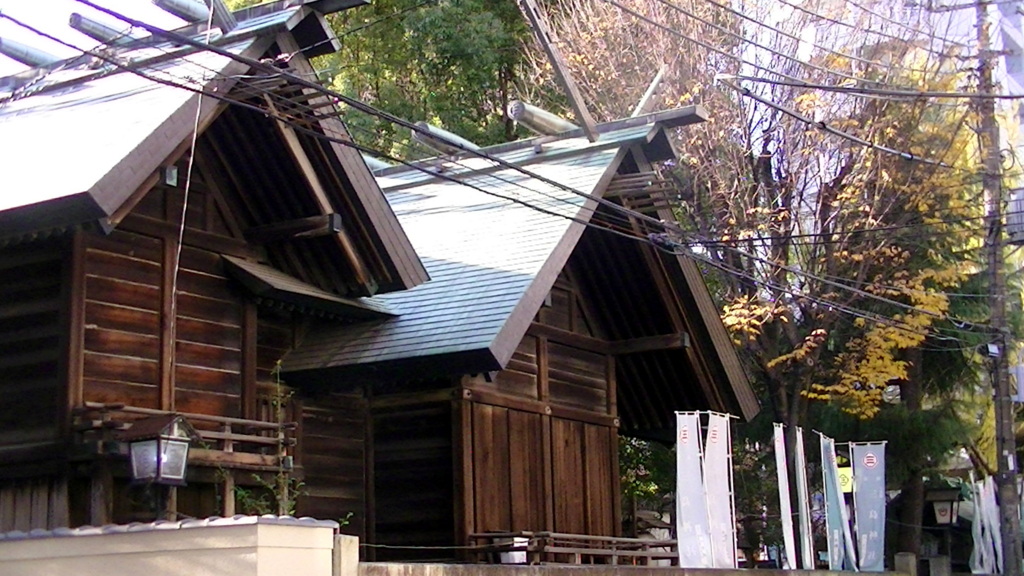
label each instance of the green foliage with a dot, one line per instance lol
(452, 63)
(277, 495)
(647, 470)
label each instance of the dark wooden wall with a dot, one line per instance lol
(127, 340)
(333, 460)
(31, 329)
(413, 476)
(537, 472)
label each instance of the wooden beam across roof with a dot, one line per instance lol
(549, 41)
(650, 343)
(311, 227)
(320, 194)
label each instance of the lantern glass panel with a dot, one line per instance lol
(173, 458)
(144, 459)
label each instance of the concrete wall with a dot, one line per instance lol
(245, 546)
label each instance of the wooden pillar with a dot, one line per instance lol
(73, 336)
(462, 458)
(101, 494)
(228, 486)
(369, 457)
(168, 311)
(249, 360)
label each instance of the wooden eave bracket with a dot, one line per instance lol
(311, 227)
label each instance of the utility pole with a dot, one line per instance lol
(992, 185)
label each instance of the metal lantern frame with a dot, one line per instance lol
(158, 449)
(945, 504)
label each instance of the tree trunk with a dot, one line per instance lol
(912, 509)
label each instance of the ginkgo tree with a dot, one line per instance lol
(847, 267)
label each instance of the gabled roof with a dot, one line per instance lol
(67, 143)
(494, 242)
(484, 254)
(82, 145)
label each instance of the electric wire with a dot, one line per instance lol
(895, 22)
(792, 36)
(821, 125)
(343, 142)
(176, 269)
(758, 45)
(860, 30)
(726, 54)
(364, 26)
(910, 94)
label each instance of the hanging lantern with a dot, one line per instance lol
(158, 448)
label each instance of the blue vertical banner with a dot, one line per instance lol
(869, 503)
(692, 525)
(841, 555)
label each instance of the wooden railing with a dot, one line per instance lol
(224, 441)
(555, 547)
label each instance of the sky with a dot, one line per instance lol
(51, 16)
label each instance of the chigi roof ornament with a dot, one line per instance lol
(442, 141)
(538, 119)
(99, 31)
(27, 55)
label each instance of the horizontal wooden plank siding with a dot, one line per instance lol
(577, 378)
(333, 446)
(30, 305)
(413, 478)
(121, 354)
(519, 378)
(122, 342)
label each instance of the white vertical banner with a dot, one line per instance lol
(983, 556)
(803, 499)
(785, 508)
(692, 528)
(991, 519)
(718, 486)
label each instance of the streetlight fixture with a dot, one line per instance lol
(158, 448)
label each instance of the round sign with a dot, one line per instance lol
(713, 435)
(870, 460)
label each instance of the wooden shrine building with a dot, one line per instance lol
(433, 353)
(112, 310)
(551, 324)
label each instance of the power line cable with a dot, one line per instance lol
(756, 44)
(860, 30)
(874, 91)
(443, 177)
(364, 26)
(791, 36)
(906, 26)
(821, 125)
